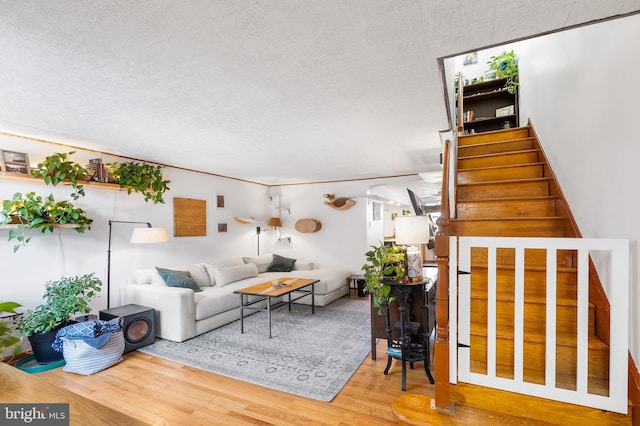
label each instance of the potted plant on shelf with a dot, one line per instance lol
(384, 262)
(8, 340)
(31, 211)
(57, 168)
(143, 178)
(63, 298)
(505, 65)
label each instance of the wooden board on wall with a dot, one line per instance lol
(189, 217)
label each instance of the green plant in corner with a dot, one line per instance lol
(143, 178)
(506, 66)
(63, 298)
(7, 338)
(31, 211)
(57, 168)
(383, 262)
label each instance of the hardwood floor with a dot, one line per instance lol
(162, 392)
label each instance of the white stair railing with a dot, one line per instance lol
(612, 260)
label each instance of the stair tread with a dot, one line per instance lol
(505, 199)
(540, 300)
(502, 182)
(528, 268)
(520, 218)
(504, 166)
(496, 154)
(497, 142)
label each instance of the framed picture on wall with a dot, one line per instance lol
(220, 201)
(222, 227)
(14, 162)
(377, 210)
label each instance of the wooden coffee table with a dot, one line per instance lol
(266, 291)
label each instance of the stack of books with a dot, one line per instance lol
(98, 171)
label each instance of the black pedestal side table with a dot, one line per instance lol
(413, 343)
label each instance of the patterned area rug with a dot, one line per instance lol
(309, 355)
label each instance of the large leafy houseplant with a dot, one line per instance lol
(143, 178)
(62, 298)
(31, 211)
(57, 168)
(383, 263)
(506, 66)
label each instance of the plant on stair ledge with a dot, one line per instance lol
(143, 178)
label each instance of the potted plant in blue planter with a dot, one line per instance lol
(63, 298)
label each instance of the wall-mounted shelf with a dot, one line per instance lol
(481, 102)
(65, 225)
(88, 183)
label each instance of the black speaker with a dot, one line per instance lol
(137, 324)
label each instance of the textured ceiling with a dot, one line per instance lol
(271, 91)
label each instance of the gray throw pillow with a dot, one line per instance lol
(180, 279)
(281, 264)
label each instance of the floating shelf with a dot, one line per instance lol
(88, 183)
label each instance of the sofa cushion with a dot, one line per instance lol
(262, 261)
(180, 279)
(147, 276)
(281, 264)
(302, 265)
(235, 273)
(211, 267)
(199, 274)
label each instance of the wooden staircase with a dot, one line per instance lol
(505, 188)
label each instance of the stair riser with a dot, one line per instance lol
(532, 257)
(534, 359)
(517, 133)
(502, 173)
(520, 228)
(495, 147)
(506, 209)
(522, 189)
(534, 285)
(508, 159)
(535, 313)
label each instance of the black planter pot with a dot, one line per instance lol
(42, 350)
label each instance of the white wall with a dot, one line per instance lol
(580, 90)
(341, 242)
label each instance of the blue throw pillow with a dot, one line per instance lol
(180, 279)
(281, 264)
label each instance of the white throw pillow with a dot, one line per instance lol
(262, 262)
(200, 275)
(211, 267)
(146, 276)
(235, 273)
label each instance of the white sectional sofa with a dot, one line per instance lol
(182, 313)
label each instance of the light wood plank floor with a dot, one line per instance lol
(162, 392)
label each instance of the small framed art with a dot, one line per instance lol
(220, 201)
(222, 227)
(15, 162)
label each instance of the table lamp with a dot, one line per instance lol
(412, 231)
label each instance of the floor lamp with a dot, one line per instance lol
(412, 231)
(148, 235)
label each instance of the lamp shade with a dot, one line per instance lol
(275, 222)
(149, 235)
(412, 230)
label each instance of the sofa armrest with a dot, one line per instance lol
(175, 310)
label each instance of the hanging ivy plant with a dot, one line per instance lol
(31, 211)
(143, 178)
(57, 168)
(506, 66)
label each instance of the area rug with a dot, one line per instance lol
(308, 355)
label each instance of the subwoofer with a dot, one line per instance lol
(137, 324)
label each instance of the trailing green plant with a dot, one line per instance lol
(31, 211)
(57, 168)
(7, 337)
(143, 178)
(506, 66)
(63, 298)
(383, 262)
